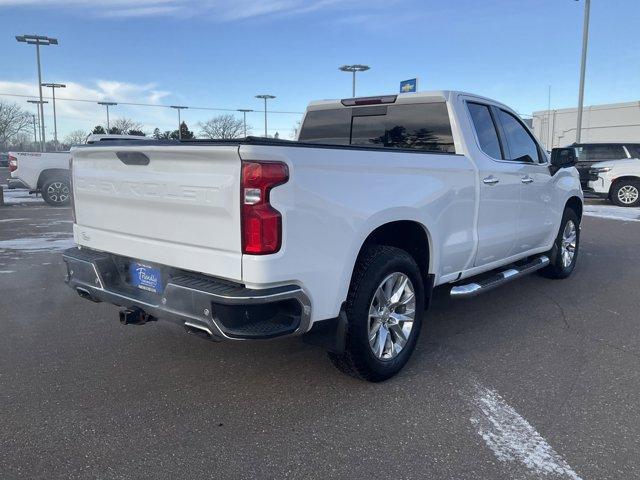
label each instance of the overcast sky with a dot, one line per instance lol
(220, 54)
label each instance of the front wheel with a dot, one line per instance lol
(384, 312)
(57, 192)
(626, 193)
(564, 254)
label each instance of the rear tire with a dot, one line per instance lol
(386, 291)
(564, 254)
(626, 193)
(56, 191)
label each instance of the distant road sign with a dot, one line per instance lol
(409, 86)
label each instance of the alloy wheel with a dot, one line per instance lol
(58, 192)
(569, 243)
(628, 194)
(391, 315)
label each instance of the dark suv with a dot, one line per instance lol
(590, 153)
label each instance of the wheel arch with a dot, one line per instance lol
(408, 235)
(575, 203)
(49, 173)
(633, 178)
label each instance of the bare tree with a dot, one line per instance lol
(123, 125)
(13, 121)
(223, 127)
(75, 137)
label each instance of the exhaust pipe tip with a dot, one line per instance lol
(86, 294)
(200, 331)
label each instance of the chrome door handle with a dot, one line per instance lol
(490, 180)
(527, 179)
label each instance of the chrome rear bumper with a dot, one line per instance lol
(218, 308)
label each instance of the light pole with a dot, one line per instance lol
(179, 107)
(53, 94)
(39, 109)
(265, 98)
(353, 69)
(108, 104)
(35, 132)
(38, 40)
(244, 117)
(583, 67)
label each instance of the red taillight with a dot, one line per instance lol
(13, 163)
(261, 223)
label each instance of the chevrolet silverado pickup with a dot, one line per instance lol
(340, 236)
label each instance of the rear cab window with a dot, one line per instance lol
(413, 126)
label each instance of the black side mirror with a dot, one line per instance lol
(563, 158)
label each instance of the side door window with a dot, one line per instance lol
(520, 145)
(600, 153)
(485, 130)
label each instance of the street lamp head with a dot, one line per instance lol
(37, 101)
(266, 97)
(54, 85)
(178, 107)
(354, 68)
(37, 40)
(110, 104)
(245, 110)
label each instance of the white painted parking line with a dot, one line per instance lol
(511, 438)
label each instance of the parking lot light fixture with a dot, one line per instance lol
(265, 98)
(38, 40)
(108, 104)
(244, 118)
(53, 87)
(178, 108)
(353, 69)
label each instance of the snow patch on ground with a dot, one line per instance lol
(512, 439)
(12, 197)
(7, 271)
(612, 212)
(37, 244)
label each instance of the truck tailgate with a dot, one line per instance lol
(181, 208)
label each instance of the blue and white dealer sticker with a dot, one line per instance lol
(145, 277)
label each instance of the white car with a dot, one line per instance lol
(48, 173)
(340, 236)
(612, 171)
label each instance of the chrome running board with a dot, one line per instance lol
(476, 288)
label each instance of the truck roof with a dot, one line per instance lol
(428, 96)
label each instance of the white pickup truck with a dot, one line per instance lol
(48, 173)
(341, 235)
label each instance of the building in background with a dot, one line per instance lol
(616, 122)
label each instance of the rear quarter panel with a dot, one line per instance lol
(336, 197)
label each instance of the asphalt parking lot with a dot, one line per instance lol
(538, 379)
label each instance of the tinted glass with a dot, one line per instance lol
(520, 142)
(599, 153)
(327, 126)
(485, 129)
(418, 127)
(634, 150)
